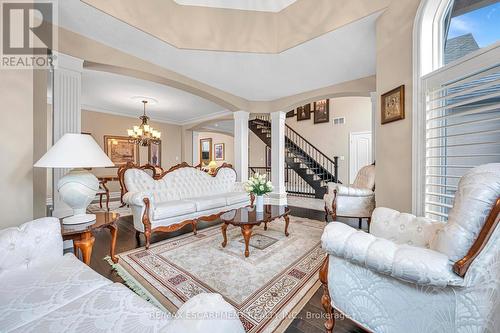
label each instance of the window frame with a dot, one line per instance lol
(428, 60)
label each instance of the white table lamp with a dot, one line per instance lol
(78, 187)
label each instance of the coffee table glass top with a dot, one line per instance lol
(248, 215)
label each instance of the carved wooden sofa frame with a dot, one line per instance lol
(460, 267)
(148, 230)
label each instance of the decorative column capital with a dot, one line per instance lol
(68, 62)
(241, 115)
(278, 115)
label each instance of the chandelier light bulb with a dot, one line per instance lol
(144, 134)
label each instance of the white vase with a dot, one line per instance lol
(259, 203)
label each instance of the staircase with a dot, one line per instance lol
(310, 164)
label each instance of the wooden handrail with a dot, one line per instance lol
(302, 138)
(461, 266)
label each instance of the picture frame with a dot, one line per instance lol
(205, 150)
(304, 112)
(154, 154)
(219, 151)
(120, 150)
(290, 114)
(268, 156)
(393, 105)
(322, 111)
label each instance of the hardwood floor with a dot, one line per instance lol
(310, 319)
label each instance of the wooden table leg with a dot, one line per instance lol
(85, 244)
(265, 226)
(246, 230)
(114, 231)
(287, 221)
(224, 228)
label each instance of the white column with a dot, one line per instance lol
(196, 148)
(373, 97)
(278, 197)
(66, 91)
(241, 144)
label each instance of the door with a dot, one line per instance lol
(360, 152)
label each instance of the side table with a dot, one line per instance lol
(83, 239)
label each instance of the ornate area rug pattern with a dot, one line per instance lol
(264, 288)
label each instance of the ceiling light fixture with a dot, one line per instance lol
(144, 134)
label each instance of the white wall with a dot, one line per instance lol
(16, 155)
(332, 140)
(227, 140)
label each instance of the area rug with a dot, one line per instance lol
(267, 289)
(114, 206)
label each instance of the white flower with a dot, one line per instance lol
(261, 187)
(264, 176)
(269, 184)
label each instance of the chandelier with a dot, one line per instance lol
(144, 134)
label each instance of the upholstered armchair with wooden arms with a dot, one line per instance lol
(356, 200)
(414, 275)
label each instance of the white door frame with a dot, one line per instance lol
(351, 134)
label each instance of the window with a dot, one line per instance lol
(457, 118)
(469, 26)
(462, 129)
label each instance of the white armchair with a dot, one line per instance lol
(356, 200)
(411, 274)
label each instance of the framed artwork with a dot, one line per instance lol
(304, 112)
(219, 151)
(205, 151)
(393, 105)
(154, 154)
(322, 111)
(120, 150)
(268, 156)
(290, 114)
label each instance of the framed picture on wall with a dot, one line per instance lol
(268, 156)
(154, 154)
(322, 111)
(219, 151)
(393, 105)
(304, 112)
(290, 114)
(120, 150)
(205, 151)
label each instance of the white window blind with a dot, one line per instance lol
(462, 125)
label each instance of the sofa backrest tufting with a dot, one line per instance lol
(31, 244)
(478, 191)
(181, 183)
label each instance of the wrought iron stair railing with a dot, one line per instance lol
(303, 158)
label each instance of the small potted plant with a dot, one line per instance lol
(259, 186)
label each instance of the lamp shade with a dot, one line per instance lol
(74, 151)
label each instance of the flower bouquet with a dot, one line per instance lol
(259, 185)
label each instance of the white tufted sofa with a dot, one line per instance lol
(46, 291)
(408, 275)
(356, 200)
(183, 195)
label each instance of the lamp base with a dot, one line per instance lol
(79, 218)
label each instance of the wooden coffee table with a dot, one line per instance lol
(82, 236)
(246, 218)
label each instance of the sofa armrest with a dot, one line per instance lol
(31, 244)
(348, 190)
(136, 198)
(206, 313)
(407, 263)
(403, 228)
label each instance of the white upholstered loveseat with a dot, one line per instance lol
(180, 196)
(411, 274)
(43, 290)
